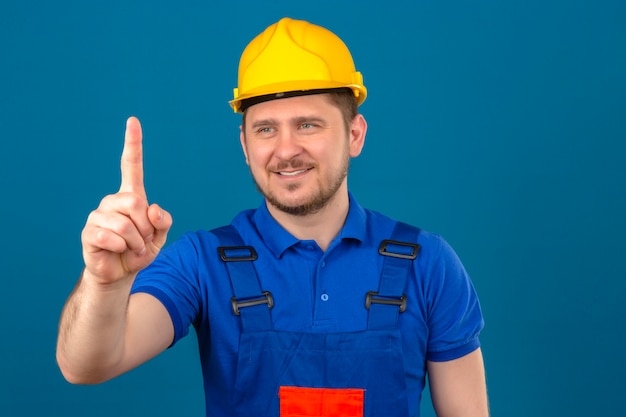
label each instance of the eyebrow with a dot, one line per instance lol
(263, 122)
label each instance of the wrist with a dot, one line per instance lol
(97, 284)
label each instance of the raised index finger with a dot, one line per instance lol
(132, 159)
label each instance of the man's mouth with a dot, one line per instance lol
(292, 173)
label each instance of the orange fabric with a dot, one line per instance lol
(321, 402)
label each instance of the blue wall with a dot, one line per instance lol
(499, 124)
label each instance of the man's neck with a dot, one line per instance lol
(322, 226)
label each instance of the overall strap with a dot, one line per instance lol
(249, 302)
(389, 301)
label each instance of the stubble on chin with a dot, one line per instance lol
(314, 203)
(311, 206)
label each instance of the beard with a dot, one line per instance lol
(312, 203)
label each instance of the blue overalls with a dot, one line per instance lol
(291, 374)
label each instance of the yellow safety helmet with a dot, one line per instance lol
(295, 56)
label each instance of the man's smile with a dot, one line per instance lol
(293, 173)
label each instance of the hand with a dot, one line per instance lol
(124, 234)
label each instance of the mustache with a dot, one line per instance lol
(292, 163)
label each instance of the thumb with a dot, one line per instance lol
(162, 222)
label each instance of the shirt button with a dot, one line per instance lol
(324, 297)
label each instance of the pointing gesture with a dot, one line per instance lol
(132, 159)
(124, 234)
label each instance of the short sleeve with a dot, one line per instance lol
(455, 318)
(172, 279)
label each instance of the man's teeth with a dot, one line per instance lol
(291, 174)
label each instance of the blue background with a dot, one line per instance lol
(498, 124)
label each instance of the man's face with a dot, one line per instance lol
(298, 150)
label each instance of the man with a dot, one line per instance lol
(308, 306)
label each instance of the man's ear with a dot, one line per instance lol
(242, 140)
(358, 129)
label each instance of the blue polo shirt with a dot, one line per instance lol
(314, 291)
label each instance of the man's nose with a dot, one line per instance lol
(287, 145)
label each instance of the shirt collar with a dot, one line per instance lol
(277, 239)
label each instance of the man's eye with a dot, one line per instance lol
(306, 126)
(264, 130)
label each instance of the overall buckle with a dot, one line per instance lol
(266, 298)
(237, 253)
(385, 246)
(372, 297)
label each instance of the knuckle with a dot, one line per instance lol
(106, 201)
(133, 203)
(122, 225)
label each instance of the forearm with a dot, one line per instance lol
(91, 340)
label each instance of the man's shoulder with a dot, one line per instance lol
(382, 226)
